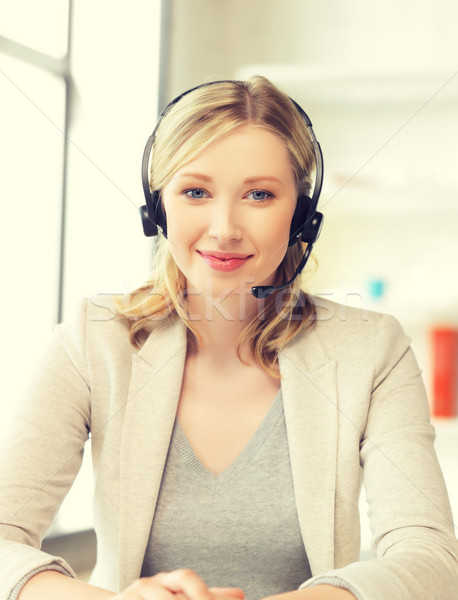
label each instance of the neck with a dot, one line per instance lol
(220, 322)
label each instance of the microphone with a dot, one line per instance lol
(263, 291)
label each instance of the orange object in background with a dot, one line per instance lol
(445, 371)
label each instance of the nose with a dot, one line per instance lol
(224, 224)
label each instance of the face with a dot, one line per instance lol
(229, 212)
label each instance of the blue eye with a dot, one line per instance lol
(260, 195)
(195, 193)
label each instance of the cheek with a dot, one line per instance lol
(277, 230)
(180, 227)
(183, 230)
(275, 240)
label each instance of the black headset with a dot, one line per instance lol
(306, 224)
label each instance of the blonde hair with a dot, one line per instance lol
(193, 123)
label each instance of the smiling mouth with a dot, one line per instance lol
(224, 262)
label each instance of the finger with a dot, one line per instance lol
(147, 588)
(234, 592)
(185, 581)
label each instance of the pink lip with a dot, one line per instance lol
(224, 261)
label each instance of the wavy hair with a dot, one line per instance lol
(198, 119)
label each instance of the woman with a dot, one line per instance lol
(229, 424)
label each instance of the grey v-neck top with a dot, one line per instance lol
(238, 528)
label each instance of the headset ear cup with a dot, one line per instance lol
(303, 207)
(312, 228)
(306, 224)
(153, 215)
(159, 213)
(149, 226)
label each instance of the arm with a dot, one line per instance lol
(410, 517)
(44, 453)
(409, 511)
(55, 586)
(317, 592)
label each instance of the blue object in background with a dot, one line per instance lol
(377, 288)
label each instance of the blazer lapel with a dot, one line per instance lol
(157, 372)
(311, 414)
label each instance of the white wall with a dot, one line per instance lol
(212, 39)
(31, 122)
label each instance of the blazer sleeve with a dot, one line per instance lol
(42, 455)
(410, 517)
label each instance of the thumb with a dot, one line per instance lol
(237, 593)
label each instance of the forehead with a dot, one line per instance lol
(249, 149)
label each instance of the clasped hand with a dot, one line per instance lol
(182, 584)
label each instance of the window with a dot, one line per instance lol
(79, 87)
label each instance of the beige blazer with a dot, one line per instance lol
(354, 406)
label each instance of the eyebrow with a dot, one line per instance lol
(196, 176)
(262, 178)
(248, 180)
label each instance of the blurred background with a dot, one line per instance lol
(81, 85)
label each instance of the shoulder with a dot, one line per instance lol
(352, 335)
(93, 321)
(344, 324)
(97, 331)
(92, 334)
